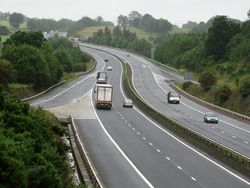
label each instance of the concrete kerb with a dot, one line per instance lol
(43, 92)
(212, 106)
(176, 125)
(235, 114)
(229, 152)
(95, 178)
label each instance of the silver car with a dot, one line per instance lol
(128, 103)
(210, 117)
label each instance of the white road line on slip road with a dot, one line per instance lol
(89, 76)
(201, 111)
(188, 146)
(120, 150)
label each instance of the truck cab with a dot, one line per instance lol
(101, 78)
(173, 97)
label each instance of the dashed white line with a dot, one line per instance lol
(193, 178)
(150, 144)
(179, 167)
(126, 121)
(168, 158)
(158, 150)
(246, 142)
(133, 128)
(129, 124)
(222, 132)
(122, 117)
(138, 133)
(143, 138)
(233, 136)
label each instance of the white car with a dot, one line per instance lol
(109, 68)
(128, 103)
(210, 117)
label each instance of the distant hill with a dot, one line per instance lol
(89, 31)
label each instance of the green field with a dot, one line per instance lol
(88, 32)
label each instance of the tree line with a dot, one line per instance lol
(222, 52)
(28, 58)
(145, 22)
(121, 38)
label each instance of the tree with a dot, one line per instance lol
(5, 71)
(222, 94)
(135, 19)
(245, 87)
(122, 21)
(207, 80)
(33, 38)
(16, 19)
(4, 30)
(219, 35)
(248, 14)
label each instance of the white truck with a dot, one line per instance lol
(173, 97)
(104, 95)
(101, 78)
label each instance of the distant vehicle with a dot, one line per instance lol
(128, 103)
(104, 95)
(210, 117)
(106, 60)
(109, 68)
(173, 97)
(101, 78)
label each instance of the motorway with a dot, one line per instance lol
(128, 149)
(149, 81)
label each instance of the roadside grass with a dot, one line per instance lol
(72, 75)
(21, 90)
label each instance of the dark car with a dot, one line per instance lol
(106, 60)
(210, 117)
(128, 103)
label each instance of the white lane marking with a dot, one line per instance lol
(246, 142)
(150, 144)
(179, 167)
(158, 150)
(213, 127)
(194, 150)
(138, 133)
(233, 136)
(168, 158)
(222, 132)
(201, 111)
(144, 138)
(186, 145)
(89, 76)
(120, 150)
(193, 178)
(129, 124)
(122, 117)
(126, 121)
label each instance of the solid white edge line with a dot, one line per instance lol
(120, 150)
(191, 148)
(244, 130)
(89, 76)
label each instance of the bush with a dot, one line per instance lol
(79, 67)
(207, 80)
(186, 85)
(222, 94)
(245, 87)
(4, 30)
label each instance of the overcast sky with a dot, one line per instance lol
(176, 11)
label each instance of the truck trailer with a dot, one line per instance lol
(104, 95)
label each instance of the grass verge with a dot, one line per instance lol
(213, 149)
